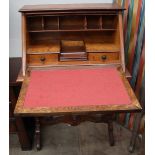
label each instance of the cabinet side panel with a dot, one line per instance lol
(121, 41)
(23, 44)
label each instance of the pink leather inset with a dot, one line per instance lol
(78, 87)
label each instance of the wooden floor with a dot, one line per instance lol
(85, 139)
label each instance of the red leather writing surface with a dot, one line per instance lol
(79, 87)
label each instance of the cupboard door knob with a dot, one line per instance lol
(42, 59)
(104, 57)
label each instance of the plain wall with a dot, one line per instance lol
(15, 20)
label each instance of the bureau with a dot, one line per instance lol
(73, 65)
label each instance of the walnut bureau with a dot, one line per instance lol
(62, 44)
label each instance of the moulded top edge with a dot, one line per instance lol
(72, 7)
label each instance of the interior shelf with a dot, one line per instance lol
(71, 46)
(44, 48)
(87, 34)
(66, 63)
(75, 30)
(72, 23)
(101, 47)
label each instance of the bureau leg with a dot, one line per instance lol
(142, 150)
(110, 132)
(135, 132)
(37, 134)
(24, 139)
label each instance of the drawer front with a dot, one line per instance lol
(103, 57)
(41, 59)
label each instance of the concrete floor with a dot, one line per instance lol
(85, 139)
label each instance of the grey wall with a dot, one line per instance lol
(15, 20)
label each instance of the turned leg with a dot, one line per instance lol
(142, 150)
(22, 133)
(110, 132)
(135, 132)
(37, 133)
(24, 139)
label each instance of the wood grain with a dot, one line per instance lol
(101, 47)
(23, 44)
(44, 48)
(66, 7)
(121, 41)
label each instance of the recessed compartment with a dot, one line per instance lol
(104, 41)
(38, 47)
(72, 50)
(93, 22)
(101, 47)
(71, 22)
(104, 57)
(34, 23)
(72, 46)
(109, 21)
(50, 22)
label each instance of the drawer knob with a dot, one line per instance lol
(42, 59)
(104, 57)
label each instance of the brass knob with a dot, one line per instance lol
(104, 57)
(42, 59)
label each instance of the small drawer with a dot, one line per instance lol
(103, 57)
(41, 59)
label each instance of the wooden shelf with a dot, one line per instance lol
(72, 46)
(101, 47)
(46, 48)
(69, 30)
(69, 23)
(74, 63)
